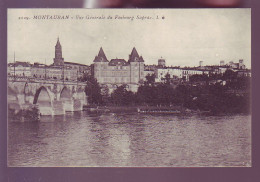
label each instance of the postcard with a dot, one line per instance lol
(129, 88)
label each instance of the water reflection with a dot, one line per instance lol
(80, 139)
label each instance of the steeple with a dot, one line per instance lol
(101, 57)
(58, 60)
(101, 53)
(134, 56)
(134, 53)
(58, 43)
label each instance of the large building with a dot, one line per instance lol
(178, 72)
(65, 73)
(58, 61)
(59, 70)
(186, 72)
(19, 69)
(117, 72)
(81, 69)
(239, 65)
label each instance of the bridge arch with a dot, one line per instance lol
(42, 95)
(65, 94)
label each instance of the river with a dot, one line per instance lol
(130, 140)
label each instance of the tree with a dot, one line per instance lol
(164, 93)
(150, 79)
(198, 78)
(105, 94)
(121, 96)
(93, 90)
(229, 75)
(168, 79)
(182, 95)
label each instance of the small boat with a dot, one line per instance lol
(95, 109)
(158, 111)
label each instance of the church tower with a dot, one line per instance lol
(136, 67)
(100, 66)
(58, 60)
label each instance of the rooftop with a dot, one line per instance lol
(101, 57)
(134, 56)
(78, 64)
(20, 63)
(115, 62)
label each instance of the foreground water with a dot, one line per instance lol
(132, 140)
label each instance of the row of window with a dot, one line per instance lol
(117, 80)
(117, 73)
(115, 67)
(186, 72)
(120, 74)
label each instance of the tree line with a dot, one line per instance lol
(230, 93)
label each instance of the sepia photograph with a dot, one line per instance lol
(129, 88)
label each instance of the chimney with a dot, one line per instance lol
(201, 63)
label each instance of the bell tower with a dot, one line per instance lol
(136, 63)
(58, 60)
(100, 62)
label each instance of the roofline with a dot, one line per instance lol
(75, 63)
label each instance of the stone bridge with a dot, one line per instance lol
(52, 97)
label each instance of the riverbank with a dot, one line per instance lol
(127, 109)
(32, 113)
(158, 110)
(176, 110)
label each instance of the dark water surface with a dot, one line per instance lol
(118, 140)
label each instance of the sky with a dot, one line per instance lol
(183, 37)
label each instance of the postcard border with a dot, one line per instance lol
(133, 174)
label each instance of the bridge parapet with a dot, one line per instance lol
(51, 96)
(38, 80)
